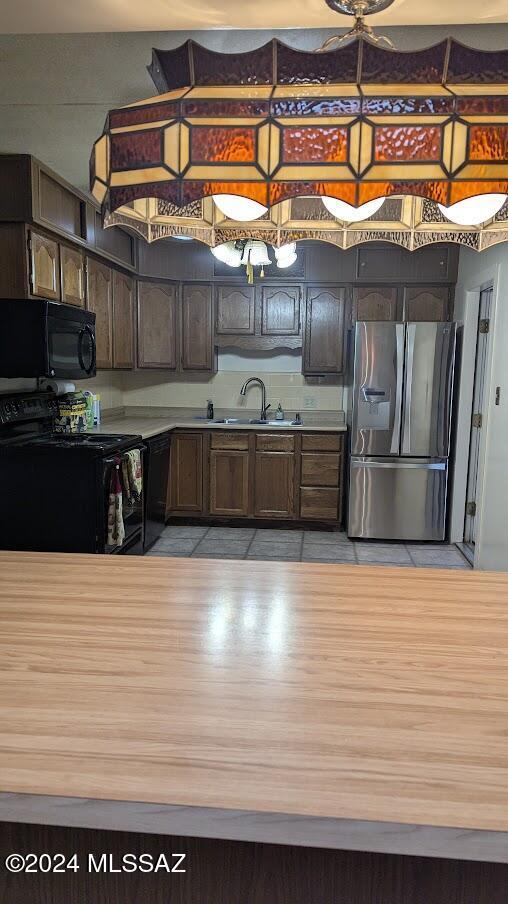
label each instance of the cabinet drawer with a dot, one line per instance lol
(320, 469)
(321, 442)
(275, 442)
(319, 503)
(222, 440)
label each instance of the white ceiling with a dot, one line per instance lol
(57, 16)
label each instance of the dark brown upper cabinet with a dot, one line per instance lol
(197, 351)
(234, 311)
(157, 325)
(280, 310)
(376, 303)
(99, 297)
(427, 303)
(324, 335)
(123, 321)
(44, 266)
(72, 274)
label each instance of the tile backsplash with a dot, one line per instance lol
(290, 389)
(154, 388)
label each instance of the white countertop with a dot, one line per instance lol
(149, 422)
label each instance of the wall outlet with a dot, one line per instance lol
(309, 402)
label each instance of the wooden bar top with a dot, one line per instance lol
(328, 705)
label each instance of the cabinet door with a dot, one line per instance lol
(44, 267)
(157, 325)
(123, 315)
(280, 311)
(274, 485)
(323, 350)
(235, 311)
(99, 298)
(197, 328)
(229, 483)
(72, 274)
(427, 303)
(376, 303)
(186, 473)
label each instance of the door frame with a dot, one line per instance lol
(478, 405)
(470, 292)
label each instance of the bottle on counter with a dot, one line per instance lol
(209, 410)
(89, 402)
(96, 410)
(279, 414)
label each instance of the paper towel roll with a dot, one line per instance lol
(59, 387)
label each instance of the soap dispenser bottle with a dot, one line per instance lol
(279, 414)
(209, 410)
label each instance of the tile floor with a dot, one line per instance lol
(267, 544)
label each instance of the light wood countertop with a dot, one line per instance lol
(339, 706)
(150, 423)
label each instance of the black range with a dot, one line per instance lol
(57, 484)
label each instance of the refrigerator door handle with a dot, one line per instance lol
(410, 349)
(394, 447)
(398, 464)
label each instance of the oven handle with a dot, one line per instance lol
(114, 461)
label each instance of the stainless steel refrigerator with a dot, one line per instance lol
(400, 430)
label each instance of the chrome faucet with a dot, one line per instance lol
(264, 406)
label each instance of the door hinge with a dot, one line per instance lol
(471, 508)
(484, 326)
(477, 420)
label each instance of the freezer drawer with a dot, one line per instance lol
(397, 499)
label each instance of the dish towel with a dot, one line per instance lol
(116, 529)
(132, 476)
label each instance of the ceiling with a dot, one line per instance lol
(57, 16)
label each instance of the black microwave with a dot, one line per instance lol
(42, 338)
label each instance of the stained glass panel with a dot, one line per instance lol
(134, 150)
(314, 144)
(407, 143)
(222, 144)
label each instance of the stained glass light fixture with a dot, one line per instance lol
(356, 124)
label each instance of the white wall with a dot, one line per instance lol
(476, 271)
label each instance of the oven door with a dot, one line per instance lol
(132, 513)
(71, 345)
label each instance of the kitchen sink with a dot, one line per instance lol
(257, 421)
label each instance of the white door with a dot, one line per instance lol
(477, 415)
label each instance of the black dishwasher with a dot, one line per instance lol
(156, 486)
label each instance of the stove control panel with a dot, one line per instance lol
(14, 409)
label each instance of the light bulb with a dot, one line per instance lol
(473, 211)
(285, 250)
(286, 255)
(228, 254)
(351, 214)
(240, 209)
(256, 253)
(287, 260)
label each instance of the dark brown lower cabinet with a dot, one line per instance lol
(274, 485)
(229, 483)
(275, 475)
(319, 503)
(186, 474)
